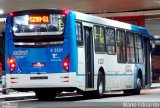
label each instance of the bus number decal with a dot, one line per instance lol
(100, 61)
(58, 50)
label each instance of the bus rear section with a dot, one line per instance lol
(37, 67)
(38, 50)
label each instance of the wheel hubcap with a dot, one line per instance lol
(139, 83)
(100, 88)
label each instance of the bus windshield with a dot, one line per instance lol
(38, 25)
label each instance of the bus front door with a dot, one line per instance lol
(147, 62)
(89, 80)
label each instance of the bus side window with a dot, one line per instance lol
(130, 47)
(99, 39)
(79, 34)
(138, 48)
(121, 47)
(110, 40)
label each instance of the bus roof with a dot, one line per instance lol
(112, 23)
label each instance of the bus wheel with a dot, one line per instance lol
(139, 85)
(45, 95)
(101, 86)
(135, 91)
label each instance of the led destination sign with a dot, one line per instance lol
(39, 19)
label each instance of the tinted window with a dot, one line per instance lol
(121, 51)
(130, 47)
(30, 25)
(138, 48)
(79, 34)
(110, 40)
(99, 39)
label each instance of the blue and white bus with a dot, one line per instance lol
(50, 51)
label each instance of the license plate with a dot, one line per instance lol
(39, 78)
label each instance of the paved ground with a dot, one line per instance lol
(149, 98)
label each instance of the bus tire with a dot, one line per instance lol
(100, 86)
(139, 86)
(135, 91)
(45, 95)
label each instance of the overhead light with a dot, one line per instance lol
(1, 11)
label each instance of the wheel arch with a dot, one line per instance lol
(101, 71)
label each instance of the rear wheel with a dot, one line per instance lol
(45, 95)
(138, 89)
(100, 89)
(100, 86)
(139, 85)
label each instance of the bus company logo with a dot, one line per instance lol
(20, 52)
(54, 56)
